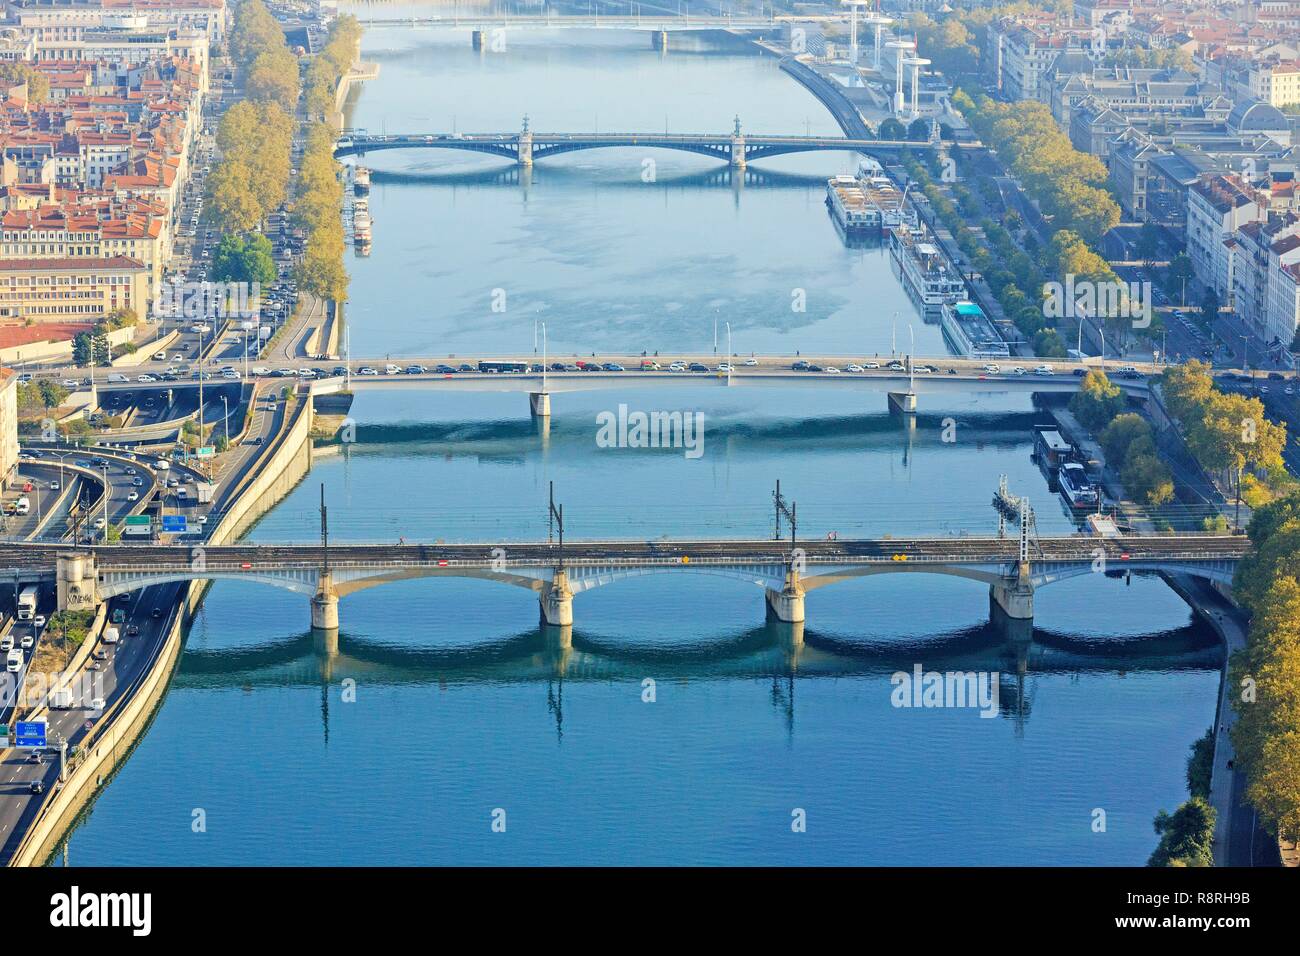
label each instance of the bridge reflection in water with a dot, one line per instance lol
(778, 652)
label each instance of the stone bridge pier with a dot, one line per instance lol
(1011, 608)
(557, 601)
(325, 605)
(787, 604)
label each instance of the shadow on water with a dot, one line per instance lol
(511, 174)
(994, 430)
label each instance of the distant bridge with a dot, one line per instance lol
(735, 148)
(557, 571)
(637, 21)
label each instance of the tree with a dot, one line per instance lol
(892, 129)
(1186, 835)
(1210, 306)
(1178, 274)
(1098, 401)
(1148, 242)
(52, 394)
(918, 130)
(38, 84)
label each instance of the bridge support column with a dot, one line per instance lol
(903, 402)
(557, 602)
(525, 149)
(325, 606)
(738, 160)
(1011, 608)
(787, 604)
(539, 403)
(77, 582)
(659, 40)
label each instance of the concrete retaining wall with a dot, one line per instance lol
(289, 459)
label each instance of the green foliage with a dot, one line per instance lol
(1200, 763)
(244, 258)
(1098, 401)
(1186, 835)
(1070, 186)
(1130, 448)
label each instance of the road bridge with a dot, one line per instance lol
(557, 571)
(736, 148)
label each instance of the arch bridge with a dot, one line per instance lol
(1012, 568)
(735, 148)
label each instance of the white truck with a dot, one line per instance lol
(61, 698)
(111, 635)
(27, 603)
(14, 662)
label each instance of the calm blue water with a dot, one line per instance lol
(459, 706)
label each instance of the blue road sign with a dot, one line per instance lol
(29, 733)
(174, 523)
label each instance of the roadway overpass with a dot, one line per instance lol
(1013, 567)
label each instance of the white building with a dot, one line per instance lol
(1217, 206)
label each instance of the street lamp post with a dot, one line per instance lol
(729, 353)
(543, 356)
(225, 418)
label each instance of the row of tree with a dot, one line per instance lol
(318, 210)
(1013, 276)
(252, 179)
(1266, 737)
(329, 66)
(1068, 185)
(1228, 433)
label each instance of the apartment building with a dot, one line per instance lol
(1267, 263)
(64, 290)
(1217, 207)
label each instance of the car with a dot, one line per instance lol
(232, 374)
(340, 370)
(415, 370)
(146, 378)
(70, 383)
(466, 367)
(724, 367)
(202, 519)
(367, 370)
(260, 370)
(800, 366)
(100, 524)
(677, 367)
(751, 362)
(1044, 370)
(1289, 390)
(27, 641)
(133, 496)
(613, 367)
(1079, 372)
(870, 365)
(896, 367)
(285, 372)
(831, 369)
(1276, 376)
(137, 481)
(697, 367)
(38, 621)
(450, 370)
(97, 703)
(1020, 370)
(54, 486)
(35, 757)
(923, 369)
(992, 369)
(815, 368)
(36, 787)
(160, 356)
(157, 612)
(132, 630)
(853, 367)
(392, 370)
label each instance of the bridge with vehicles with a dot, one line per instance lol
(650, 19)
(736, 148)
(558, 570)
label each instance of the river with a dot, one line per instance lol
(446, 708)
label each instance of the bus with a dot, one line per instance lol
(27, 603)
(503, 366)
